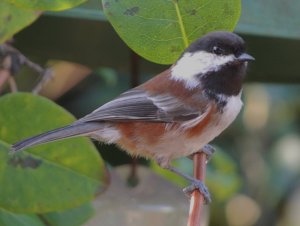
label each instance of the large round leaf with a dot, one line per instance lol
(49, 177)
(71, 217)
(54, 5)
(160, 30)
(11, 219)
(13, 19)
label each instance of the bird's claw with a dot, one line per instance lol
(209, 151)
(200, 186)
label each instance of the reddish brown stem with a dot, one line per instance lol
(197, 199)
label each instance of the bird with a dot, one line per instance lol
(175, 114)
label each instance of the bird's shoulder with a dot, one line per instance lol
(161, 99)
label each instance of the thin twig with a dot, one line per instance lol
(134, 69)
(197, 199)
(32, 65)
(11, 51)
(4, 75)
(47, 75)
(12, 84)
(23, 59)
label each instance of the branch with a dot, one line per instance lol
(12, 61)
(12, 84)
(197, 199)
(47, 75)
(4, 76)
(9, 51)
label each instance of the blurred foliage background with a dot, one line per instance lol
(254, 177)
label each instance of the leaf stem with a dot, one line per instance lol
(180, 21)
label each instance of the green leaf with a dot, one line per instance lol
(13, 19)
(12, 219)
(71, 217)
(50, 177)
(54, 5)
(160, 30)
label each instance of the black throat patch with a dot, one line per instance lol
(223, 83)
(227, 81)
(220, 99)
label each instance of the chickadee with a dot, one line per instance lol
(176, 113)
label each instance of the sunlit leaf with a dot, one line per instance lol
(13, 19)
(160, 30)
(71, 217)
(12, 219)
(55, 5)
(50, 177)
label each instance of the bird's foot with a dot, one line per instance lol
(208, 150)
(195, 184)
(200, 186)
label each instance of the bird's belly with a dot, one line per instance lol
(176, 145)
(159, 141)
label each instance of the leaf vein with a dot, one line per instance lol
(181, 25)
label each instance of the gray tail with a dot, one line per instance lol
(73, 130)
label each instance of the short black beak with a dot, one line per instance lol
(245, 57)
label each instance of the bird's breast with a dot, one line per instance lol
(230, 111)
(209, 127)
(168, 141)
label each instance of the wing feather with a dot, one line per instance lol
(138, 105)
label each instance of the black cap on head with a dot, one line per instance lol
(220, 43)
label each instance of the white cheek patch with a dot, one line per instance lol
(192, 64)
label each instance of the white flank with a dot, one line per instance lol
(192, 64)
(166, 102)
(230, 111)
(176, 144)
(108, 134)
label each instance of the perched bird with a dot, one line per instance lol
(176, 113)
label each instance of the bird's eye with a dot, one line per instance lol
(217, 50)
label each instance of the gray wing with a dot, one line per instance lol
(137, 105)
